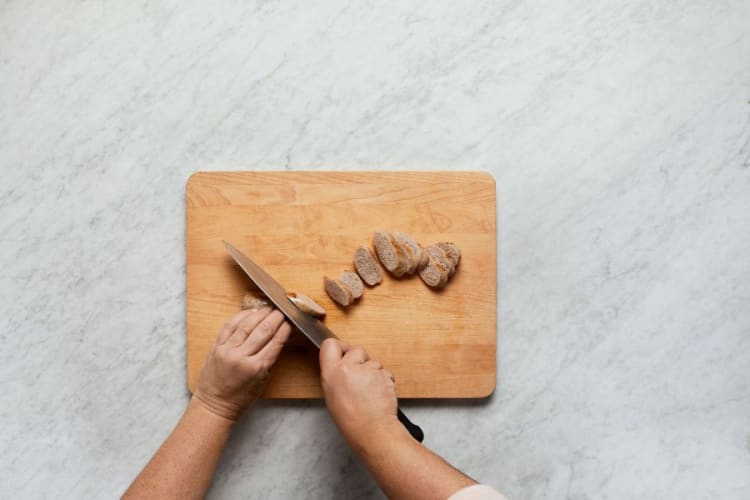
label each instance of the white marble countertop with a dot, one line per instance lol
(619, 135)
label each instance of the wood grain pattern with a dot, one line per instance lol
(301, 226)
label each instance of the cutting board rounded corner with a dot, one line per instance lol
(488, 176)
(192, 178)
(486, 391)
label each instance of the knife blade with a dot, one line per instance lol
(311, 327)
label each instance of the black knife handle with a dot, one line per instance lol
(414, 430)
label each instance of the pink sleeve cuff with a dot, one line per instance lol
(476, 492)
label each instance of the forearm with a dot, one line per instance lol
(405, 468)
(184, 465)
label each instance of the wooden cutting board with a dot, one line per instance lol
(301, 226)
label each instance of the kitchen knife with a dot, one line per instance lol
(311, 327)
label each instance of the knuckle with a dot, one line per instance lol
(233, 357)
(253, 367)
(347, 370)
(265, 329)
(259, 366)
(264, 367)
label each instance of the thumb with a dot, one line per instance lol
(331, 351)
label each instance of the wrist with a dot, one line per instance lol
(379, 436)
(215, 406)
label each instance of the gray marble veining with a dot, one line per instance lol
(619, 135)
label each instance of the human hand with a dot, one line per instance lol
(237, 367)
(360, 394)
